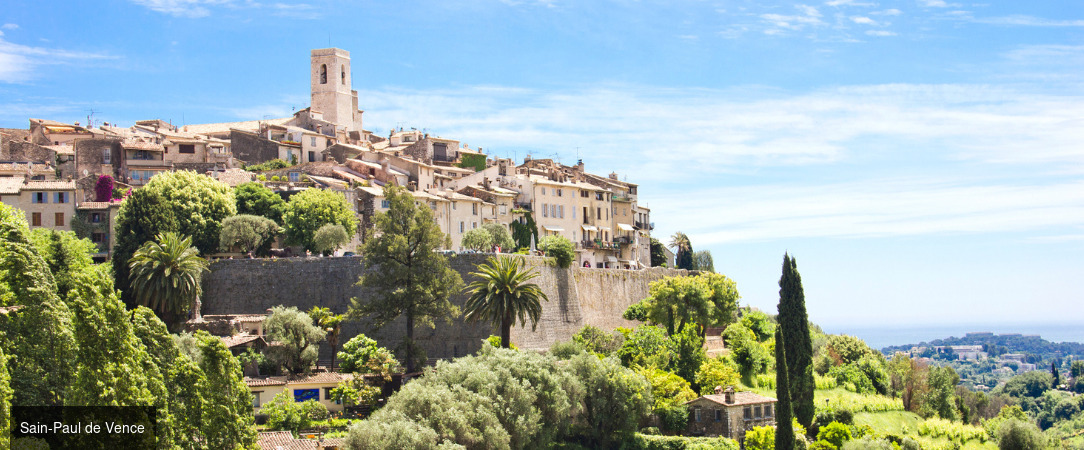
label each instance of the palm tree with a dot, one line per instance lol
(502, 293)
(165, 276)
(683, 247)
(331, 324)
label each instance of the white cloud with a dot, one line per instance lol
(1029, 21)
(934, 3)
(17, 62)
(863, 20)
(10, 26)
(888, 12)
(809, 17)
(880, 33)
(203, 8)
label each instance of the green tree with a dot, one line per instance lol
(750, 356)
(39, 339)
(616, 399)
(690, 352)
(525, 230)
(763, 438)
(409, 278)
(1076, 369)
(703, 261)
(595, 340)
(503, 293)
(559, 248)
(182, 202)
(683, 249)
(166, 276)
(1055, 375)
(180, 410)
(5, 400)
(794, 323)
(297, 338)
(227, 415)
(363, 355)
(329, 238)
(717, 371)
(64, 254)
(834, 433)
(256, 199)
(311, 209)
(941, 397)
(658, 255)
(1015, 434)
(477, 239)
(283, 413)
(784, 431)
(647, 346)
(759, 323)
(501, 237)
(248, 233)
(108, 351)
(331, 323)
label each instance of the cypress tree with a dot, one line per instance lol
(794, 324)
(1054, 372)
(784, 429)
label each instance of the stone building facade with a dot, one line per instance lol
(729, 414)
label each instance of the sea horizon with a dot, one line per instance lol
(890, 335)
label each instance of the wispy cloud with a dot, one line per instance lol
(880, 33)
(17, 62)
(934, 3)
(863, 20)
(809, 16)
(10, 26)
(1028, 21)
(203, 8)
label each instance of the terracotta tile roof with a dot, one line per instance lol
(234, 177)
(322, 377)
(51, 185)
(61, 149)
(265, 381)
(21, 166)
(138, 144)
(10, 185)
(239, 339)
(274, 440)
(223, 127)
(95, 205)
(740, 398)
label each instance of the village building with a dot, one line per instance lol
(729, 414)
(48, 204)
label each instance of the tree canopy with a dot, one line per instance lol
(503, 293)
(794, 323)
(311, 209)
(298, 339)
(707, 300)
(329, 238)
(166, 276)
(182, 202)
(683, 249)
(405, 273)
(559, 248)
(248, 233)
(477, 239)
(256, 199)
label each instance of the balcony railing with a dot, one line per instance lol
(601, 245)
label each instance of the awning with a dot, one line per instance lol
(625, 227)
(611, 259)
(589, 228)
(553, 229)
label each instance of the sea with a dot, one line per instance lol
(884, 336)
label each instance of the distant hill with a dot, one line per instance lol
(1037, 348)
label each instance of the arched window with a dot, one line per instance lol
(323, 73)
(344, 74)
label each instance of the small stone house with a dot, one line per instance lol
(729, 414)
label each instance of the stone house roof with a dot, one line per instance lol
(284, 440)
(739, 399)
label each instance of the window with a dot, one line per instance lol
(343, 74)
(38, 197)
(474, 208)
(95, 217)
(453, 206)
(35, 219)
(301, 395)
(545, 210)
(256, 399)
(584, 194)
(106, 156)
(558, 192)
(473, 225)
(504, 209)
(748, 413)
(696, 414)
(561, 211)
(60, 197)
(543, 191)
(553, 210)
(756, 411)
(385, 204)
(188, 148)
(313, 141)
(767, 410)
(295, 176)
(598, 213)
(58, 219)
(327, 395)
(718, 415)
(461, 225)
(573, 213)
(97, 237)
(323, 73)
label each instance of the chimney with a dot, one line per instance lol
(728, 395)
(718, 390)
(485, 182)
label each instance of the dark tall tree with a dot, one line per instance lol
(406, 275)
(658, 255)
(1057, 376)
(683, 248)
(784, 429)
(794, 324)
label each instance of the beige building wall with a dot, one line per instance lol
(194, 151)
(47, 204)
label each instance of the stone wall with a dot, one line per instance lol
(252, 149)
(577, 297)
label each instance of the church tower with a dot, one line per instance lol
(331, 93)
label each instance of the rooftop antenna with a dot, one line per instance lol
(90, 117)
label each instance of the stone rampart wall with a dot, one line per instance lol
(577, 297)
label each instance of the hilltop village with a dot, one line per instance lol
(51, 169)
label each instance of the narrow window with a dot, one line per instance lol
(256, 399)
(95, 217)
(756, 411)
(323, 73)
(106, 156)
(696, 413)
(343, 69)
(718, 415)
(461, 225)
(313, 141)
(58, 219)
(748, 413)
(767, 410)
(35, 219)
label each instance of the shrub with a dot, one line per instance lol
(314, 410)
(275, 178)
(647, 346)
(717, 372)
(495, 342)
(760, 438)
(362, 355)
(867, 443)
(283, 413)
(559, 248)
(835, 434)
(644, 441)
(262, 177)
(329, 238)
(594, 340)
(1017, 435)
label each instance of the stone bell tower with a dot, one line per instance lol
(331, 93)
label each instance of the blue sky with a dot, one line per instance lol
(923, 160)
